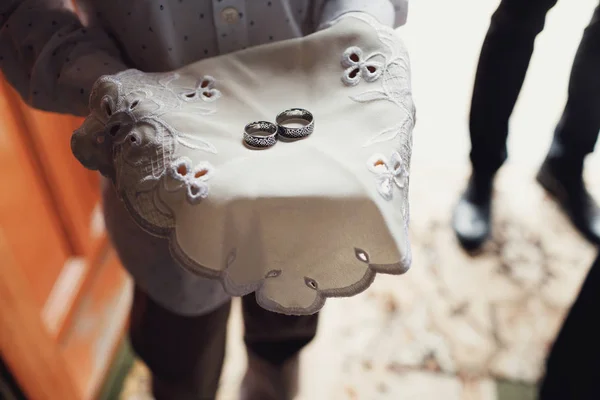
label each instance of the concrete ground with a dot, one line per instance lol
(456, 327)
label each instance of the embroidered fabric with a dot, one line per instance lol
(297, 223)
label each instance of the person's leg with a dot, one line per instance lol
(575, 136)
(185, 354)
(573, 365)
(503, 63)
(273, 343)
(501, 70)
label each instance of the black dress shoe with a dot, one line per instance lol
(471, 220)
(571, 194)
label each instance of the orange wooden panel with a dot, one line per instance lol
(33, 357)
(92, 176)
(62, 314)
(98, 325)
(70, 184)
(33, 233)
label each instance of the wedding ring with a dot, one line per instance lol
(260, 134)
(295, 123)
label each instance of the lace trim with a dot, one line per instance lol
(394, 71)
(205, 90)
(132, 142)
(193, 179)
(321, 294)
(357, 66)
(388, 173)
(391, 67)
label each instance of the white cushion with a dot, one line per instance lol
(297, 222)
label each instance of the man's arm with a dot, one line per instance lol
(50, 58)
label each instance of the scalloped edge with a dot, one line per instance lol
(236, 290)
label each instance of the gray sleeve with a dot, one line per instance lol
(401, 11)
(50, 58)
(389, 12)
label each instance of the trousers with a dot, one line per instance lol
(501, 70)
(185, 353)
(573, 366)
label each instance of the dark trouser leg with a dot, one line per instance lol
(575, 137)
(503, 63)
(573, 366)
(577, 131)
(276, 337)
(184, 354)
(273, 342)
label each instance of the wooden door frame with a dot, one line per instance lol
(29, 350)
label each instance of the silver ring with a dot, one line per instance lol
(303, 120)
(260, 134)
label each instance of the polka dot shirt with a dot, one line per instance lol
(52, 55)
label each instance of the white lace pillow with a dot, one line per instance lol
(298, 222)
